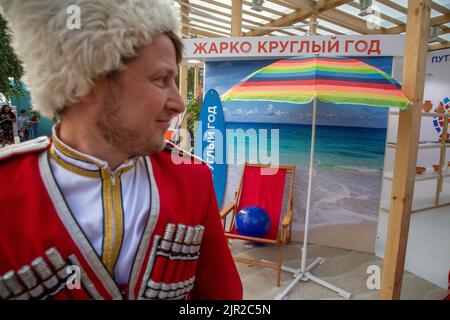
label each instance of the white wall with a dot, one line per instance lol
(428, 253)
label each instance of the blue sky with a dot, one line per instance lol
(224, 74)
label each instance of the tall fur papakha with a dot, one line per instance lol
(61, 63)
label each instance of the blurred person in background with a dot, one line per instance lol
(22, 125)
(33, 125)
(7, 118)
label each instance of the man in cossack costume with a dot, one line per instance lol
(106, 208)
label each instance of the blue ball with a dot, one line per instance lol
(253, 222)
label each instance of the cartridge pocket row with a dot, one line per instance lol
(40, 280)
(175, 257)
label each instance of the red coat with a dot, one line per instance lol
(34, 218)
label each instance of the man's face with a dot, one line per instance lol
(140, 103)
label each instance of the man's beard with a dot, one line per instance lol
(126, 140)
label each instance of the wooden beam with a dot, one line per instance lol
(329, 4)
(320, 3)
(313, 26)
(284, 4)
(207, 34)
(444, 30)
(204, 14)
(185, 11)
(236, 18)
(193, 35)
(436, 21)
(439, 8)
(344, 24)
(351, 22)
(394, 6)
(286, 20)
(381, 15)
(208, 13)
(415, 58)
(304, 4)
(299, 14)
(225, 6)
(225, 29)
(267, 9)
(210, 10)
(328, 30)
(279, 13)
(439, 46)
(200, 27)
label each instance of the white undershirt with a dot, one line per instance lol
(84, 198)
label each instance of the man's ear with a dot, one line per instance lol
(97, 91)
(89, 98)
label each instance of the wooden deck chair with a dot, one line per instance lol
(264, 191)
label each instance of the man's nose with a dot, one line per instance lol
(175, 102)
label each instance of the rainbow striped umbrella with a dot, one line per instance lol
(331, 79)
(327, 79)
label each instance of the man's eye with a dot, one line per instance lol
(160, 81)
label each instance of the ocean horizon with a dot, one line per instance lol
(358, 149)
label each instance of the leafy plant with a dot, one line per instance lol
(10, 66)
(192, 115)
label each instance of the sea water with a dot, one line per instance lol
(348, 148)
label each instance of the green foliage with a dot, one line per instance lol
(190, 79)
(193, 114)
(10, 66)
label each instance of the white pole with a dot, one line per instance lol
(303, 274)
(308, 201)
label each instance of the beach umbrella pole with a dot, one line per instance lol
(303, 274)
(308, 198)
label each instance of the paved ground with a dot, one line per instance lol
(343, 268)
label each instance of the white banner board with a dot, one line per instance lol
(254, 47)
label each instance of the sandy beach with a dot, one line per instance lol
(344, 206)
(358, 237)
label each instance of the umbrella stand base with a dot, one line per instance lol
(306, 276)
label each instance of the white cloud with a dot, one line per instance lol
(254, 111)
(280, 114)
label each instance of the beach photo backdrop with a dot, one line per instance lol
(350, 145)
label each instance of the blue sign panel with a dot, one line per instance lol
(210, 141)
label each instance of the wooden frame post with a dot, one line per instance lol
(196, 80)
(183, 88)
(183, 72)
(185, 10)
(236, 18)
(183, 69)
(416, 47)
(313, 26)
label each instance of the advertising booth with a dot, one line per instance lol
(311, 105)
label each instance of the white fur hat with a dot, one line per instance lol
(61, 61)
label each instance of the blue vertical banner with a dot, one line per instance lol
(210, 141)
